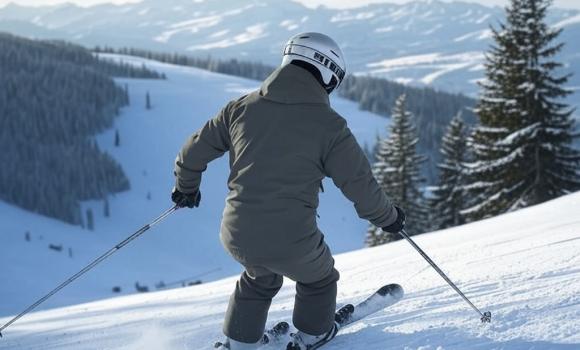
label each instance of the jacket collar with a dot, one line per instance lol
(291, 84)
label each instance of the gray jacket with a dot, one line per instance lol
(282, 139)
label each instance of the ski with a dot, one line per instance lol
(386, 296)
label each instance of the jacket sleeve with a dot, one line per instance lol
(207, 144)
(349, 168)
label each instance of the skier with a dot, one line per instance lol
(283, 140)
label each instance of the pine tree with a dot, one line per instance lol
(449, 195)
(522, 147)
(397, 170)
(127, 97)
(147, 101)
(90, 220)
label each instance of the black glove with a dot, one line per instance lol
(182, 200)
(399, 223)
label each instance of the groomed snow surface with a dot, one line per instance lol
(523, 267)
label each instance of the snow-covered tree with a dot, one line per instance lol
(449, 195)
(522, 147)
(397, 170)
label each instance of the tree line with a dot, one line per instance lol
(519, 153)
(54, 97)
(245, 69)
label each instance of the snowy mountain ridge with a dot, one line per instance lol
(432, 43)
(521, 266)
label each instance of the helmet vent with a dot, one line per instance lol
(335, 53)
(304, 37)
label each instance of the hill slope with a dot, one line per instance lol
(523, 267)
(185, 245)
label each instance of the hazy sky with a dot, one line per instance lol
(311, 3)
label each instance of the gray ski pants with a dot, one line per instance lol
(314, 304)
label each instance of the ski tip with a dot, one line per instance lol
(394, 290)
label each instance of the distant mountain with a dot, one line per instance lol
(426, 42)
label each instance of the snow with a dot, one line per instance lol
(347, 16)
(433, 30)
(529, 132)
(479, 35)
(219, 34)
(251, 33)
(527, 86)
(384, 29)
(289, 24)
(437, 64)
(191, 26)
(522, 266)
(404, 81)
(184, 245)
(568, 21)
(483, 18)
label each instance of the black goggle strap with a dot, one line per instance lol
(317, 56)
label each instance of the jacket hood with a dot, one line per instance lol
(291, 84)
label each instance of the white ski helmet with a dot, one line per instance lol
(320, 51)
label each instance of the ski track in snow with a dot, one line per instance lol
(524, 267)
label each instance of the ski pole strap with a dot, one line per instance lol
(90, 266)
(485, 317)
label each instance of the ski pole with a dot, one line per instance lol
(485, 317)
(91, 265)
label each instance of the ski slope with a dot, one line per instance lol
(186, 245)
(524, 267)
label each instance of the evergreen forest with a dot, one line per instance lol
(54, 97)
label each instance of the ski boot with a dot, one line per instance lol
(303, 341)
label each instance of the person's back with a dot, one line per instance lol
(283, 139)
(280, 135)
